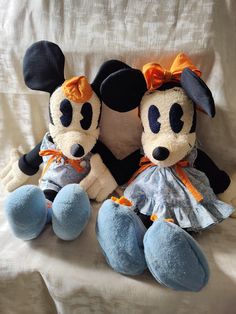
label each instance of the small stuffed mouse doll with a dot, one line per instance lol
(174, 189)
(69, 151)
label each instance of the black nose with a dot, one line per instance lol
(160, 153)
(77, 150)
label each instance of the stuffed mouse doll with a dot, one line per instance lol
(69, 151)
(174, 189)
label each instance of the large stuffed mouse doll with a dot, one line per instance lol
(69, 151)
(173, 192)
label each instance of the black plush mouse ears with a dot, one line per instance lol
(106, 69)
(43, 66)
(123, 90)
(198, 91)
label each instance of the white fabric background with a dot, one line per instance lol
(47, 275)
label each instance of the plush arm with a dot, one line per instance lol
(19, 168)
(219, 180)
(121, 170)
(107, 172)
(30, 162)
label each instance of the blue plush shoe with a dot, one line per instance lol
(26, 212)
(70, 212)
(120, 234)
(174, 258)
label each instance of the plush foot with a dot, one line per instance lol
(70, 212)
(120, 234)
(174, 258)
(26, 212)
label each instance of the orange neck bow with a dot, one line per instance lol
(57, 156)
(145, 163)
(77, 89)
(155, 75)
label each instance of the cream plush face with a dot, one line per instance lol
(74, 126)
(168, 119)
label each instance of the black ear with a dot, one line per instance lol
(197, 90)
(43, 66)
(123, 90)
(105, 70)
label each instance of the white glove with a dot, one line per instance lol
(99, 182)
(11, 176)
(229, 196)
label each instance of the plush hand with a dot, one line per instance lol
(229, 196)
(11, 176)
(99, 183)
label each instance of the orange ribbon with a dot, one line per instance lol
(155, 75)
(122, 201)
(58, 156)
(126, 202)
(77, 89)
(154, 217)
(145, 163)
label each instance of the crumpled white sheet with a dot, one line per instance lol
(47, 275)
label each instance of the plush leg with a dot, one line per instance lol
(174, 258)
(120, 234)
(70, 212)
(26, 212)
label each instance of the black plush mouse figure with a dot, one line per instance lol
(173, 192)
(69, 151)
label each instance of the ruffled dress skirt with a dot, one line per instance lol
(159, 191)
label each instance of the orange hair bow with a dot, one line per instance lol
(77, 89)
(155, 75)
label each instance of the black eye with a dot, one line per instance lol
(175, 115)
(153, 116)
(87, 113)
(67, 112)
